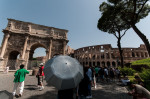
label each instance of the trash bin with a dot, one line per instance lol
(35, 71)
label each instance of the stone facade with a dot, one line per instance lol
(22, 38)
(105, 55)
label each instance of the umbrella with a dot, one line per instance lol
(63, 72)
(5, 95)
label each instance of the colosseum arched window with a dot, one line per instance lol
(98, 63)
(112, 55)
(93, 63)
(83, 63)
(137, 54)
(113, 64)
(108, 64)
(133, 55)
(90, 64)
(107, 56)
(146, 54)
(103, 63)
(86, 63)
(93, 57)
(142, 54)
(102, 56)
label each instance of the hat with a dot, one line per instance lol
(41, 64)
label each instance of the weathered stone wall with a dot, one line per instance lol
(105, 55)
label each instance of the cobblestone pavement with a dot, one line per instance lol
(103, 91)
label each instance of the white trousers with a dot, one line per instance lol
(21, 87)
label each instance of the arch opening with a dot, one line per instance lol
(13, 60)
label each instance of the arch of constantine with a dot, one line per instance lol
(22, 38)
(105, 55)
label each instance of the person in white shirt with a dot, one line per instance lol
(106, 74)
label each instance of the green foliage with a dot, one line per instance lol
(128, 71)
(34, 59)
(145, 75)
(131, 78)
(142, 62)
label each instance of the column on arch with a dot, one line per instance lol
(64, 47)
(25, 47)
(50, 49)
(5, 40)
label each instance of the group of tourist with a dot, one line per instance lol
(20, 77)
(83, 91)
(105, 74)
(93, 75)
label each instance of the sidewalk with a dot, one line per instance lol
(103, 91)
(110, 91)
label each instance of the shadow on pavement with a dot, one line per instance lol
(31, 88)
(46, 95)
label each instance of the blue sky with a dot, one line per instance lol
(80, 17)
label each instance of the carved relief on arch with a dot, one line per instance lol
(16, 41)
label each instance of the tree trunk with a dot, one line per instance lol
(143, 37)
(120, 51)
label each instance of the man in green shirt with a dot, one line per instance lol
(19, 80)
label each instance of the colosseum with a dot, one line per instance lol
(105, 55)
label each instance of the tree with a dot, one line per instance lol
(111, 22)
(130, 12)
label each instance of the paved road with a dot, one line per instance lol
(103, 91)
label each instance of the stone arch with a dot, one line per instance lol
(94, 63)
(90, 64)
(98, 64)
(102, 56)
(93, 57)
(133, 54)
(35, 46)
(98, 56)
(103, 63)
(22, 36)
(12, 60)
(137, 54)
(113, 64)
(108, 64)
(146, 55)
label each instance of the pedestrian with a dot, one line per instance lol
(6, 69)
(83, 86)
(117, 71)
(101, 74)
(106, 74)
(96, 72)
(139, 92)
(40, 77)
(19, 80)
(112, 74)
(89, 74)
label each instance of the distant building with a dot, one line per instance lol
(69, 51)
(105, 55)
(41, 58)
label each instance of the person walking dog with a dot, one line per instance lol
(19, 80)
